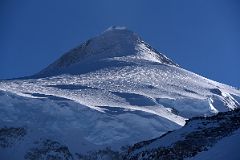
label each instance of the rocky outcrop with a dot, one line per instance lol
(49, 150)
(208, 131)
(10, 136)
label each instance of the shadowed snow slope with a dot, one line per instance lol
(112, 90)
(213, 138)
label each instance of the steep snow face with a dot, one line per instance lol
(112, 43)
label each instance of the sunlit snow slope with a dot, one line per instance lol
(112, 90)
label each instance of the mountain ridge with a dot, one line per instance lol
(113, 42)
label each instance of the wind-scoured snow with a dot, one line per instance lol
(112, 90)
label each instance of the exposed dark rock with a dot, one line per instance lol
(104, 154)
(9, 136)
(216, 91)
(49, 150)
(210, 130)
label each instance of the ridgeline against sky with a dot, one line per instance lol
(202, 36)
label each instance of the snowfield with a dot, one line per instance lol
(112, 90)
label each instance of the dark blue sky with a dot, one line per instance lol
(202, 35)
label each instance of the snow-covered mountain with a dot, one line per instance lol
(116, 44)
(113, 90)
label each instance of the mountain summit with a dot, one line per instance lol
(115, 43)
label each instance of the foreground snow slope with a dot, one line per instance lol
(227, 148)
(79, 127)
(214, 138)
(113, 90)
